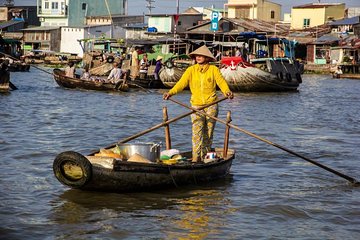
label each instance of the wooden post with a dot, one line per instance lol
(167, 129)
(227, 133)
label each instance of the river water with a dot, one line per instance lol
(269, 194)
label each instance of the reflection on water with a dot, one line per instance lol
(269, 194)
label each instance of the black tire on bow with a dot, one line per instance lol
(169, 64)
(280, 76)
(110, 59)
(72, 169)
(288, 77)
(298, 77)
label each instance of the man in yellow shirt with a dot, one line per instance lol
(202, 79)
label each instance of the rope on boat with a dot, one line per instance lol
(193, 171)
(172, 178)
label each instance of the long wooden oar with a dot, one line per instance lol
(137, 85)
(12, 86)
(350, 179)
(39, 68)
(125, 140)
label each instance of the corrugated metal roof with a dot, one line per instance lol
(9, 23)
(136, 25)
(41, 28)
(318, 5)
(346, 21)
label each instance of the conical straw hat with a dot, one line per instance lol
(159, 58)
(203, 51)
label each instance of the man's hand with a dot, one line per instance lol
(166, 96)
(230, 95)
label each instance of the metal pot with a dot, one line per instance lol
(149, 151)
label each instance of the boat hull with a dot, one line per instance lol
(131, 176)
(252, 79)
(347, 75)
(77, 83)
(266, 75)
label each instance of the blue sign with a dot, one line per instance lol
(214, 21)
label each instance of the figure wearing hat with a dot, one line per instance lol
(202, 79)
(158, 67)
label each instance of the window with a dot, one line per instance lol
(179, 23)
(272, 14)
(46, 5)
(306, 23)
(83, 6)
(54, 5)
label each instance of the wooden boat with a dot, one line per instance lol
(264, 72)
(142, 80)
(67, 82)
(4, 86)
(4, 79)
(14, 65)
(172, 71)
(49, 57)
(19, 66)
(136, 167)
(261, 75)
(347, 75)
(109, 174)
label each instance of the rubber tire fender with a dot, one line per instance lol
(280, 76)
(298, 77)
(288, 77)
(110, 59)
(75, 159)
(169, 64)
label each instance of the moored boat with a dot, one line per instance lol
(4, 78)
(77, 83)
(347, 75)
(271, 66)
(4, 86)
(262, 75)
(172, 71)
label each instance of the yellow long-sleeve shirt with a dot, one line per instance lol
(202, 81)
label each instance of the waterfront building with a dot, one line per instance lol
(73, 13)
(12, 20)
(64, 22)
(206, 11)
(254, 9)
(315, 14)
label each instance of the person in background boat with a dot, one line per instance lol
(86, 74)
(244, 52)
(158, 67)
(218, 55)
(338, 72)
(237, 52)
(70, 70)
(134, 63)
(144, 66)
(202, 79)
(116, 75)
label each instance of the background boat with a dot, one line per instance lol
(264, 75)
(173, 69)
(265, 64)
(67, 82)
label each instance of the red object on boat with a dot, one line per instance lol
(232, 60)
